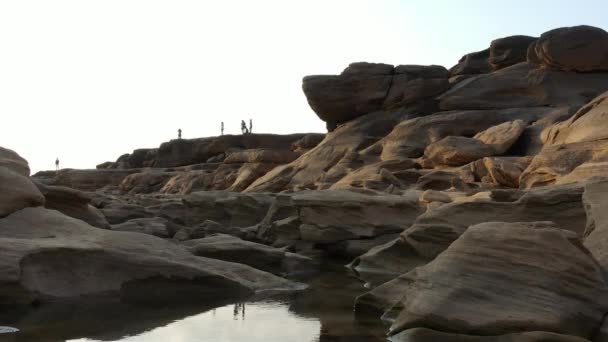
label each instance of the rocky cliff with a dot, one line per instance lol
(472, 199)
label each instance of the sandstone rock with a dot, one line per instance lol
(596, 234)
(507, 51)
(307, 142)
(502, 137)
(568, 163)
(273, 156)
(181, 152)
(336, 156)
(588, 124)
(523, 85)
(337, 99)
(422, 71)
(208, 228)
(350, 249)
(501, 278)
(428, 335)
(337, 215)
(364, 68)
(227, 208)
(578, 48)
(73, 203)
(145, 182)
(14, 162)
(17, 192)
(86, 180)
(506, 171)
(119, 212)
(50, 255)
(269, 259)
(472, 63)
(410, 137)
(437, 229)
(156, 226)
(457, 151)
(249, 173)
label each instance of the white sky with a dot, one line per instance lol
(87, 81)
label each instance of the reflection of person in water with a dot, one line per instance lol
(239, 308)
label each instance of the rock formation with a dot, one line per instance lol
(473, 201)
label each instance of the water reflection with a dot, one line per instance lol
(266, 322)
(322, 313)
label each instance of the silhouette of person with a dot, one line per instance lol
(222, 127)
(179, 133)
(244, 129)
(57, 164)
(250, 126)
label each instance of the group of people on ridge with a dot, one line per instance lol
(244, 128)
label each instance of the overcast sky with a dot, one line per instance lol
(87, 81)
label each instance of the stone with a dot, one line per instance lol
(17, 192)
(14, 162)
(227, 208)
(508, 51)
(428, 335)
(404, 90)
(337, 99)
(502, 137)
(457, 151)
(524, 85)
(577, 48)
(500, 278)
(73, 203)
(273, 156)
(266, 258)
(49, 255)
(145, 182)
(410, 137)
(436, 229)
(422, 71)
(156, 226)
(567, 163)
(506, 171)
(333, 216)
(86, 180)
(596, 232)
(181, 152)
(472, 63)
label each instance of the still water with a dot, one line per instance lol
(322, 313)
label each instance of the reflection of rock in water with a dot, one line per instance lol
(98, 318)
(330, 298)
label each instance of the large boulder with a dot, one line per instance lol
(457, 151)
(410, 137)
(361, 89)
(502, 137)
(596, 235)
(73, 203)
(273, 156)
(49, 255)
(16, 189)
(428, 335)
(330, 217)
(510, 50)
(524, 85)
(472, 63)
(501, 278)
(578, 48)
(227, 208)
(14, 162)
(266, 258)
(364, 88)
(437, 229)
(85, 180)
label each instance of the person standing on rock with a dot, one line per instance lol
(56, 164)
(250, 126)
(179, 133)
(222, 127)
(244, 129)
